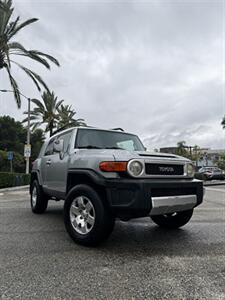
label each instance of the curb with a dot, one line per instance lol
(214, 183)
(15, 188)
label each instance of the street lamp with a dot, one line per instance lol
(27, 146)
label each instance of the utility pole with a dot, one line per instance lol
(28, 140)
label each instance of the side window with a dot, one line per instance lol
(66, 140)
(49, 149)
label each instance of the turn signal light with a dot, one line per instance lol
(113, 166)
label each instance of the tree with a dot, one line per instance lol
(221, 162)
(12, 135)
(45, 112)
(37, 139)
(9, 48)
(181, 149)
(18, 162)
(66, 118)
(12, 138)
(196, 154)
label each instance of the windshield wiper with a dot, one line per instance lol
(89, 147)
(114, 148)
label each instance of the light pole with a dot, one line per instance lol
(27, 146)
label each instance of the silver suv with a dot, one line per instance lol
(108, 174)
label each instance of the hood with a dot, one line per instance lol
(122, 154)
(118, 154)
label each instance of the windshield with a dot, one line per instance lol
(102, 139)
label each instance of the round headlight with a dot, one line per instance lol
(190, 170)
(135, 168)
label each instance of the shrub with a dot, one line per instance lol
(13, 179)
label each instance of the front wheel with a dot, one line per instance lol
(87, 218)
(174, 220)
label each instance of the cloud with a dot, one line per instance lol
(154, 68)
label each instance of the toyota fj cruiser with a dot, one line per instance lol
(108, 174)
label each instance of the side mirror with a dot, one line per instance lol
(58, 146)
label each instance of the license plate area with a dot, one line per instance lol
(171, 204)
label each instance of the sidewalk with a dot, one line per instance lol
(214, 182)
(15, 188)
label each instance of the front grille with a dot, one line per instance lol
(164, 169)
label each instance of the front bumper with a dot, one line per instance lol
(141, 197)
(171, 204)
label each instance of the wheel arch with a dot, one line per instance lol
(86, 177)
(35, 175)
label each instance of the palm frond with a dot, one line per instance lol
(58, 104)
(15, 88)
(34, 76)
(50, 57)
(6, 11)
(223, 122)
(38, 104)
(35, 125)
(32, 118)
(29, 54)
(22, 25)
(12, 26)
(8, 29)
(16, 45)
(8, 58)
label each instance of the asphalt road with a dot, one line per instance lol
(139, 261)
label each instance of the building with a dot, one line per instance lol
(210, 157)
(206, 157)
(172, 150)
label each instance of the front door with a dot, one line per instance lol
(56, 166)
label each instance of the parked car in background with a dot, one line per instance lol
(212, 173)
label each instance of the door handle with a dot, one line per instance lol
(48, 162)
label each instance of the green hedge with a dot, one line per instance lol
(13, 179)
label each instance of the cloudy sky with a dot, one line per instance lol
(155, 68)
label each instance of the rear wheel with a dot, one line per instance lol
(38, 199)
(87, 220)
(174, 220)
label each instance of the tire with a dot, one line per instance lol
(87, 220)
(38, 199)
(173, 221)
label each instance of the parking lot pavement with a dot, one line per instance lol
(139, 261)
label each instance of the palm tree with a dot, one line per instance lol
(196, 154)
(223, 122)
(181, 148)
(9, 48)
(45, 112)
(66, 118)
